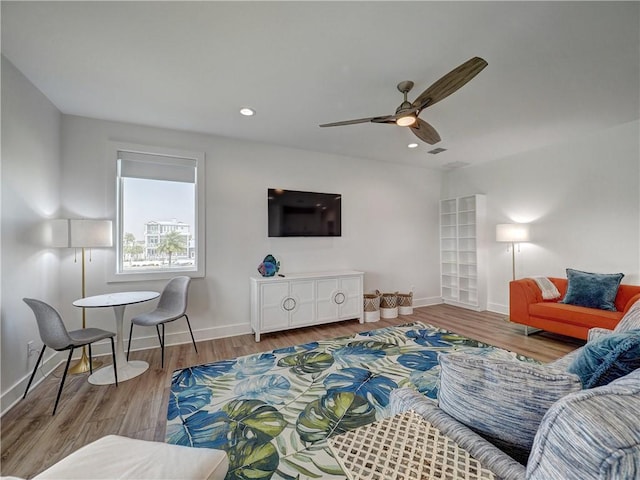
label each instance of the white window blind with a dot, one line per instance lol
(157, 167)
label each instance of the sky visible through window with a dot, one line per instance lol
(147, 200)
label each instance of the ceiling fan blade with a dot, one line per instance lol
(381, 119)
(425, 132)
(385, 119)
(451, 82)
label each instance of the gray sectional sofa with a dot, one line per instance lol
(581, 434)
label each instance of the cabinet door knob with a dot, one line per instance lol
(289, 304)
(339, 298)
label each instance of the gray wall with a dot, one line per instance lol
(31, 171)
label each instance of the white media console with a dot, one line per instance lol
(303, 299)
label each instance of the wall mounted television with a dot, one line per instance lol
(292, 213)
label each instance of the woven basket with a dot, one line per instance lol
(405, 303)
(371, 302)
(388, 304)
(371, 307)
(388, 300)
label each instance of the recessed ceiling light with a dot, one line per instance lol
(247, 112)
(412, 145)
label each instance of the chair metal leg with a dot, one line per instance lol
(34, 371)
(113, 353)
(90, 360)
(64, 376)
(162, 348)
(130, 335)
(161, 340)
(191, 332)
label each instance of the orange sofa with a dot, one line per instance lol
(526, 306)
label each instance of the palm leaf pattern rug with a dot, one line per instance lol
(272, 412)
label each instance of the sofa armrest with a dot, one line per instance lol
(522, 293)
(489, 456)
(633, 298)
(631, 303)
(597, 332)
(591, 434)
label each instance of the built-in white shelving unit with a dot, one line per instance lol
(463, 251)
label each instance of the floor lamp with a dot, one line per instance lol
(85, 235)
(512, 233)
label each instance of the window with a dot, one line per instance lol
(160, 213)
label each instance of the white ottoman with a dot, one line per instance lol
(115, 457)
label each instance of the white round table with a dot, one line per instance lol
(119, 300)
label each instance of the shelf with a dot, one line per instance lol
(462, 249)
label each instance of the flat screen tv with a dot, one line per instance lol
(304, 214)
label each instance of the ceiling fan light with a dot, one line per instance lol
(406, 121)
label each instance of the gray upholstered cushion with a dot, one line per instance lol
(501, 464)
(592, 434)
(630, 320)
(503, 400)
(597, 332)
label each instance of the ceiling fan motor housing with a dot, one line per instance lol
(406, 86)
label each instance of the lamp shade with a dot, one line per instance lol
(512, 232)
(57, 233)
(90, 233)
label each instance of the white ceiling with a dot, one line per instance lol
(556, 70)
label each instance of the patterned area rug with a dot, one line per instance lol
(272, 412)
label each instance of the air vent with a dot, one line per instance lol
(435, 151)
(454, 165)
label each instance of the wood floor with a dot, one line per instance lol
(32, 440)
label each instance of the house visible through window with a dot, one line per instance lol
(159, 203)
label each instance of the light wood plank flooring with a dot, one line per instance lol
(32, 440)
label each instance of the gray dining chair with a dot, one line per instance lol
(55, 335)
(171, 306)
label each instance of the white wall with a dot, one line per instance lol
(581, 198)
(31, 168)
(389, 222)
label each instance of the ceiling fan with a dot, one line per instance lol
(407, 113)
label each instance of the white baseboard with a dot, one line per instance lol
(498, 308)
(425, 302)
(151, 340)
(14, 394)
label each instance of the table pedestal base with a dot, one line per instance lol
(129, 370)
(82, 365)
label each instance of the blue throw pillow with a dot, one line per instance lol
(594, 290)
(607, 358)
